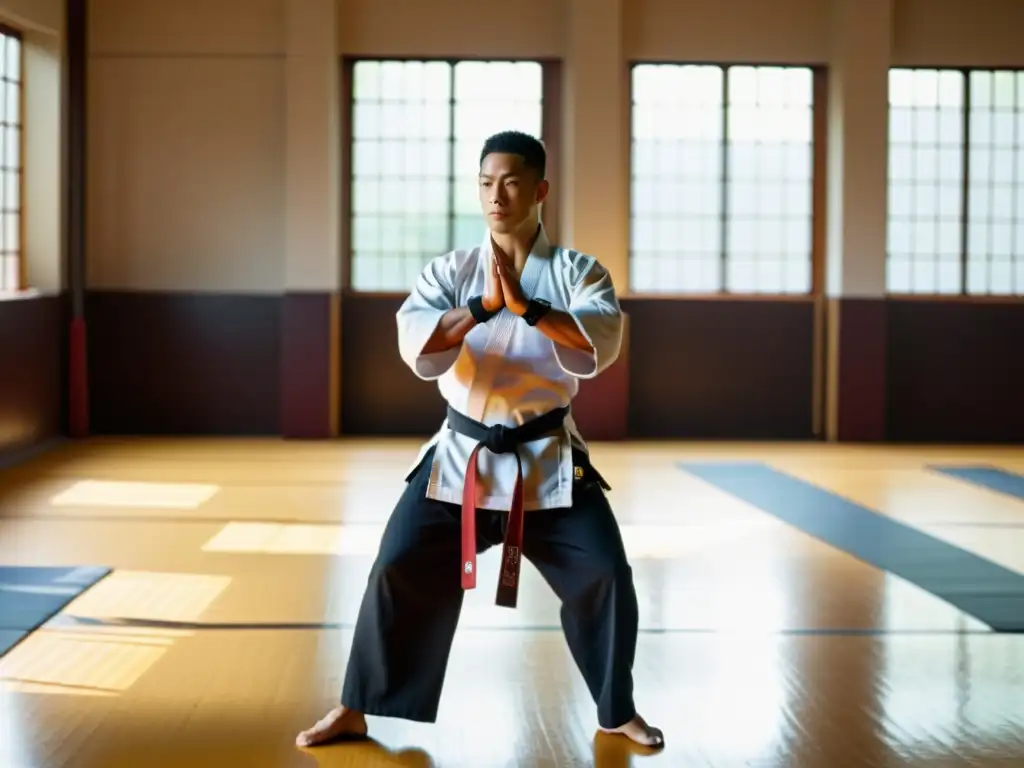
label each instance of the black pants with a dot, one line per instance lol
(411, 607)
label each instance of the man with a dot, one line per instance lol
(507, 329)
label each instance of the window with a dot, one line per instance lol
(995, 173)
(417, 129)
(956, 178)
(721, 179)
(10, 160)
(925, 180)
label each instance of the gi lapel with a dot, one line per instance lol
(505, 323)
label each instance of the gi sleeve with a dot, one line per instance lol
(431, 297)
(595, 308)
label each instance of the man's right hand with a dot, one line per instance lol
(493, 298)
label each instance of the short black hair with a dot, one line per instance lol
(518, 143)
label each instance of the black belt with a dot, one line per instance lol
(498, 439)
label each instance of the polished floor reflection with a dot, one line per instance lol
(238, 567)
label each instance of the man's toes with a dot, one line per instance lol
(639, 732)
(313, 736)
(645, 735)
(653, 737)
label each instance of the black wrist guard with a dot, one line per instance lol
(476, 309)
(535, 310)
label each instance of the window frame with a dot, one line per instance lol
(962, 295)
(819, 162)
(21, 281)
(551, 135)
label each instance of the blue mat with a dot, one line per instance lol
(9, 638)
(987, 591)
(993, 478)
(29, 597)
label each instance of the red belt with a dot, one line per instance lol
(498, 439)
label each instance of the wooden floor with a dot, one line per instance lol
(239, 566)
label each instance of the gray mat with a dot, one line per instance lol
(29, 597)
(992, 478)
(978, 587)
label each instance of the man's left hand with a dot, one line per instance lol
(514, 299)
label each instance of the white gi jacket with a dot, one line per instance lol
(507, 372)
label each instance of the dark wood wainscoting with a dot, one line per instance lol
(379, 394)
(32, 334)
(721, 369)
(183, 363)
(309, 365)
(857, 330)
(955, 371)
(164, 363)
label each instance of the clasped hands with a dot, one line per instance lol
(501, 286)
(502, 289)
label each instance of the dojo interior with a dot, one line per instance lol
(813, 212)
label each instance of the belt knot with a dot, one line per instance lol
(499, 439)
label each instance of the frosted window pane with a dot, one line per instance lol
(418, 128)
(769, 199)
(11, 171)
(995, 226)
(679, 117)
(925, 168)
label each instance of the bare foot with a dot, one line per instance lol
(639, 731)
(339, 722)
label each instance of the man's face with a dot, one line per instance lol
(509, 192)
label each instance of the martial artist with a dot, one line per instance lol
(507, 329)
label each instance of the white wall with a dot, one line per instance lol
(186, 145)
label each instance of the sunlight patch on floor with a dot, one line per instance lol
(71, 655)
(118, 493)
